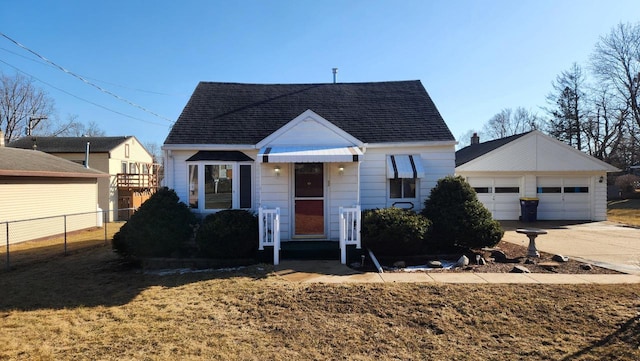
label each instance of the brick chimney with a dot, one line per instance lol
(475, 139)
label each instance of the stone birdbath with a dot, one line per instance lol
(532, 233)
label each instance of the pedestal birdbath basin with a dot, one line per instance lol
(532, 233)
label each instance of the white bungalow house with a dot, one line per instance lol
(308, 157)
(569, 184)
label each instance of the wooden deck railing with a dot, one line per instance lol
(136, 181)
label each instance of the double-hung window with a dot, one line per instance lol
(404, 172)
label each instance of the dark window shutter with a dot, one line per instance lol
(245, 186)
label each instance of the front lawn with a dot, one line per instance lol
(624, 211)
(90, 306)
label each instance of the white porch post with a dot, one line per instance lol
(343, 238)
(349, 230)
(269, 229)
(276, 238)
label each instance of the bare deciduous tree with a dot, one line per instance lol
(604, 129)
(616, 62)
(71, 128)
(22, 105)
(509, 122)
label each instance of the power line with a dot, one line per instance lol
(85, 80)
(79, 98)
(94, 79)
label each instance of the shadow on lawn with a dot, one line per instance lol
(628, 334)
(513, 225)
(91, 277)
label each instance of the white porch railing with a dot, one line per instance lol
(349, 230)
(269, 228)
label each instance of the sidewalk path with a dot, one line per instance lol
(334, 272)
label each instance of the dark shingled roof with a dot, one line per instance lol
(69, 144)
(33, 163)
(474, 151)
(233, 113)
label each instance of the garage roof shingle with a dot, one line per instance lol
(69, 144)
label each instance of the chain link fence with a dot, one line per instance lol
(27, 241)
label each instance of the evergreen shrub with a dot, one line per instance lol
(159, 228)
(459, 218)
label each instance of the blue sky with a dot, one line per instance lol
(475, 58)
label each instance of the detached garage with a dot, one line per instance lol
(569, 184)
(37, 186)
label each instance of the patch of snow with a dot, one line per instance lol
(181, 271)
(445, 265)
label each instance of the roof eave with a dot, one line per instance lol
(430, 143)
(208, 146)
(45, 174)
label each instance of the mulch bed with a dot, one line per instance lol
(516, 255)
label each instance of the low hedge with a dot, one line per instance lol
(229, 233)
(393, 231)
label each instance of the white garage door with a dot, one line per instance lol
(564, 198)
(501, 195)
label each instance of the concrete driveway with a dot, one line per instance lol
(606, 244)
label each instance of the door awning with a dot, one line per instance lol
(309, 154)
(404, 166)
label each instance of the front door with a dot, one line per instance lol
(309, 200)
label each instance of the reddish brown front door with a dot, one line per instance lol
(309, 200)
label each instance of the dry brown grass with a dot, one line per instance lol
(624, 211)
(90, 306)
(25, 253)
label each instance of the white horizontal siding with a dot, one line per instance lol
(274, 193)
(438, 162)
(28, 198)
(599, 197)
(342, 192)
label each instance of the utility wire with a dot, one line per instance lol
(94, 79)
(79, 98)
(85, 80)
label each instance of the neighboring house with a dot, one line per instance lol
(309, 150)
(569, 184)
(34, 184)
(133, 177)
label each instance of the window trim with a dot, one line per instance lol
(402, 198)
(235, 184)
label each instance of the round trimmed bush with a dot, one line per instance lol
(393, 231)
(159, 228)
(459, 218)
(229, 233)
